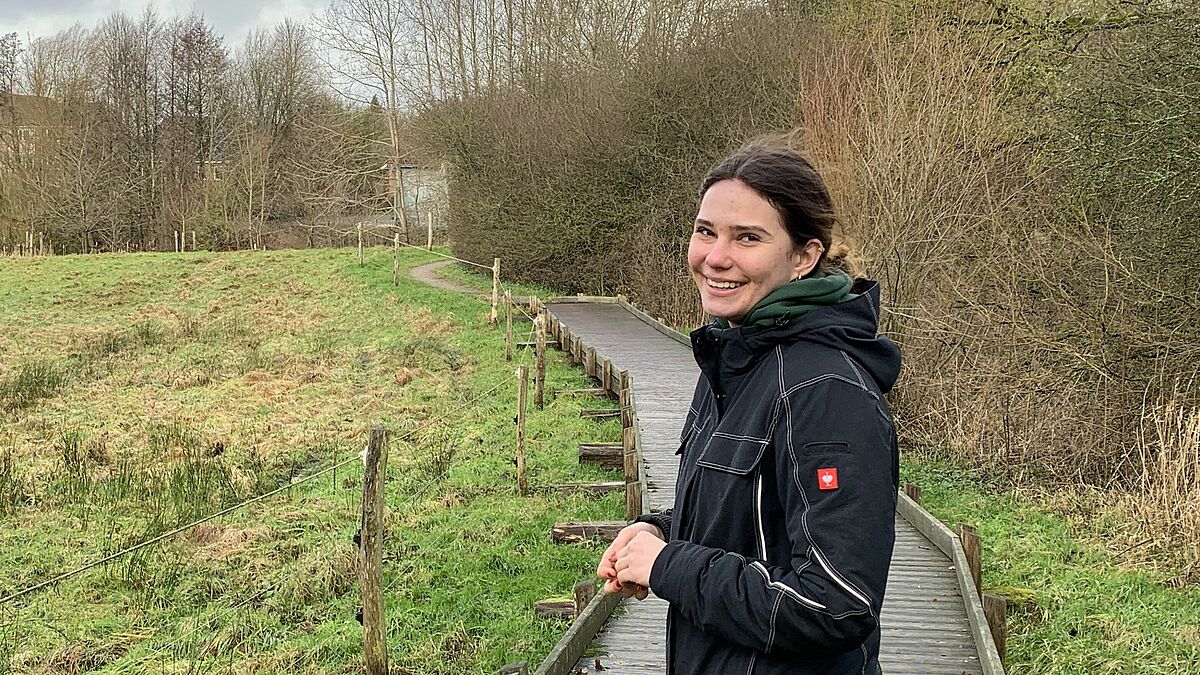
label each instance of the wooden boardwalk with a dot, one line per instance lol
(927, 625)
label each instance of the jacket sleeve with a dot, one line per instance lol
(839, 538)
(661, 520)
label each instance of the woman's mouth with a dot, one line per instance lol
(724, 285)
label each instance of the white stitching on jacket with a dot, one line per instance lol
(854, 368)
(779, 585)
(738, 437)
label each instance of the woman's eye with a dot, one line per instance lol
(748, 237)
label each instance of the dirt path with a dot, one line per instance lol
(429, 274)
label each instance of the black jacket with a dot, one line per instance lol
(765, 571)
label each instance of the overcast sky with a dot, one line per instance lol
(231, 18)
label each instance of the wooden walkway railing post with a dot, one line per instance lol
(633, 460)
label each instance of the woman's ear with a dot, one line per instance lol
(804, 260)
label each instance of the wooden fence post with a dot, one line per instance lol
(429, 232)
(495, 288)
(973, 548)
(177, 241)
(539, 373)
(913, 491)
(396, 260)
(508, 325)
(360, 244)
(522, 388)
(633, 486)
(584, 592)
(193, 239)
(995, 608)
(371, 550)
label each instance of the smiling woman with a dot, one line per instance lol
(775, 556)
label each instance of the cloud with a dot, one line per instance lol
(232, 19)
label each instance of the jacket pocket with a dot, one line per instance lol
(827, 448)
(732, 453)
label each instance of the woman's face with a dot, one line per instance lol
(740, 251)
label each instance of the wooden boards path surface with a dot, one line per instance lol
(925, 625)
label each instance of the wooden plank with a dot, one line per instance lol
(554, 609)
(590, 391)
(607, 455)
(598, 530)
(599, 413)
(594, 489)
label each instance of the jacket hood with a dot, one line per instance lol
(850, 326)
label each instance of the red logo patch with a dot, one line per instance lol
(827, 479)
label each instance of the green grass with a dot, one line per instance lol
(1073, 608)
(143, 391)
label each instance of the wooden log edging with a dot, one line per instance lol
(951, 545)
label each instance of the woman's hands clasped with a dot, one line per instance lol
(626, 563)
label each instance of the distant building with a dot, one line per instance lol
(26, 122)
(425, 193)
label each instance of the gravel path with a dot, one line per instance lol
(429, 274)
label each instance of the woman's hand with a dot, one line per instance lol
(607, 569)
(635, 561)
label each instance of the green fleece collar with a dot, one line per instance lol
(797, 298)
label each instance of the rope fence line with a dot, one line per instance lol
(448, 257)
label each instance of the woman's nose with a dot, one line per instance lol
(719, 255)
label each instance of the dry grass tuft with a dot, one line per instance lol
(1167, 499)
(422, 321)
(405, 375)
(219, 542)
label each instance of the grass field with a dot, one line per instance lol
(140, 392)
